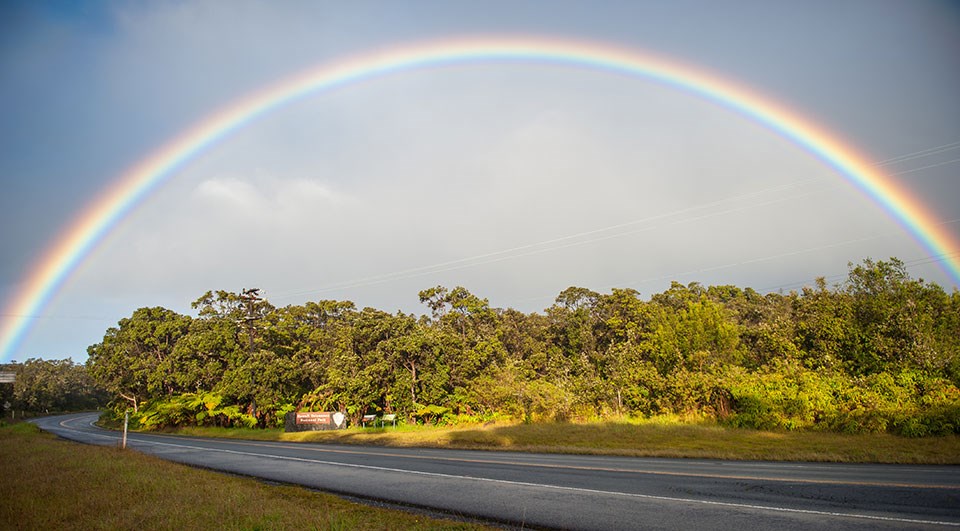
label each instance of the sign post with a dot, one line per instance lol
(126, 420)
(9, 378)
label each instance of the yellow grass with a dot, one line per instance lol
(47, 483)
(658, 437)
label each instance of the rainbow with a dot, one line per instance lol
(134, 185)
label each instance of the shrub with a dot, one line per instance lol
(938, 421)
(432, 414)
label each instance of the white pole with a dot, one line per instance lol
(126, 419)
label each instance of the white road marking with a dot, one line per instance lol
(545, 486)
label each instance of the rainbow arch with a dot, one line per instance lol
(135, 184)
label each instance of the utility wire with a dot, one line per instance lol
(564, 242)
(919, 154)
(925, 260)
(577, 239)
(928, 166)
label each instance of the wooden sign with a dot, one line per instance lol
(315, 420)
(316, 417)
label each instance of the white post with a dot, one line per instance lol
(126, 419)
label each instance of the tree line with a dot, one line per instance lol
(48, 386)
(879, 352)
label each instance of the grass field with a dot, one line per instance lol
(649, 438)
(48, 483)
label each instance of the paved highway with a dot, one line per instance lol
(579, 492)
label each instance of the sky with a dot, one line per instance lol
(514, 179)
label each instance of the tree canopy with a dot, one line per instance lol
(878, 352)
(46, 386)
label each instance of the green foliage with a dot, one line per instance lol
(786, 395)
(203, 409)
(432, 414)
(46, 386)
(544, 400)
(281, 414)
(132, 360)
(878, 353)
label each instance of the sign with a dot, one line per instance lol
(315, 420)
(316, 417)
(8, 377)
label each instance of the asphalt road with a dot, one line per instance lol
(579, 492)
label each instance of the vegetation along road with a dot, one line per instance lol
(578, 492)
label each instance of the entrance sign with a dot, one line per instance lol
(8, 377)
(315, 420)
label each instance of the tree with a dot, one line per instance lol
(127, 362)
(466, 340)
(573, 320)
(825, 331)
(896, 318)
(412, 352)
(54, 385)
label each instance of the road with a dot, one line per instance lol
(579, 492)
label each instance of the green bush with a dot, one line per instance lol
(786, 395)
(191, 408)
(432, 414)
(754, 412)
(938, 421)
(858, 421)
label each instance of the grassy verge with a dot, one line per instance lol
(650, 438)
(48, 483)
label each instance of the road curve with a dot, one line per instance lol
(578, 492)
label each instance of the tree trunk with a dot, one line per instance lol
(132, 399)
(413, 382)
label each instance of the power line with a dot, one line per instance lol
(576, 239)
(928, 166)
(919, 154)
(909, 263)
(673, 276)
(817, 248)
(572, 240)
(925, 260)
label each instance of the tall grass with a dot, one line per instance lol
(656, 437)
(47, 483)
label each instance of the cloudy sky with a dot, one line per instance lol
(513, 179)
